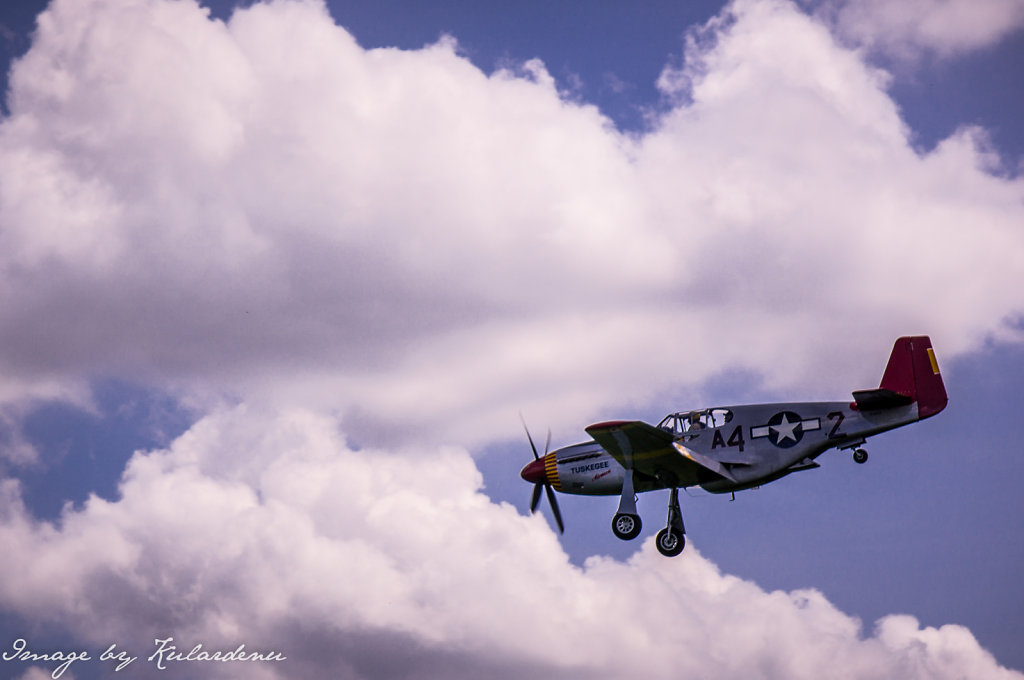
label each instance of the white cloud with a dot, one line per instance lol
(943, 27)
(265, 528)
(263, 209)
(40, 673)
(265, 212)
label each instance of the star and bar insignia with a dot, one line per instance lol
(785, 429)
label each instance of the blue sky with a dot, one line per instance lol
(273, 299)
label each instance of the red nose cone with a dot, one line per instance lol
(534, 472)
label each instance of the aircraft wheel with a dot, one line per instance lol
(670, 542)
(626, 527)
(860, 456)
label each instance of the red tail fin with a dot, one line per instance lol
(912, 371)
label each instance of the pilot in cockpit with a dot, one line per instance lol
(695, 422)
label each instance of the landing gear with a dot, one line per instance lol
(672, 539)
(670, 543)
(626, 526)
(626, 523)
(860, 456)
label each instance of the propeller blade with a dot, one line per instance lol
(554, 508)
(529, 438)
(535, 499)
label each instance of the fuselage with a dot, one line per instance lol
(756, 444)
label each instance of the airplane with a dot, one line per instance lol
(732, 448)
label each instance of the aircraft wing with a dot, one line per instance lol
(654, 452)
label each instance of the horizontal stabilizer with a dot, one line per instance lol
(874, 400)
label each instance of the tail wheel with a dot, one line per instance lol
(670, 542)
(860, 456)
(626, 527)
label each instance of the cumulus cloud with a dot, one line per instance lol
(942, 27)
(40, 673)
(262, 209)
(267, 529)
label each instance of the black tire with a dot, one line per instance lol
(670, 542)
(626, 527)
(860, 456)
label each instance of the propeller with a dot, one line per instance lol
(536, 473)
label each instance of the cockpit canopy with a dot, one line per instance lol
(689, 421)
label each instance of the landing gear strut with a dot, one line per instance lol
(672, 539)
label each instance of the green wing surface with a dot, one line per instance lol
(655, 452)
